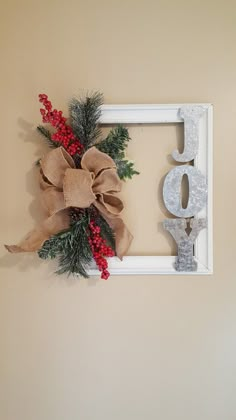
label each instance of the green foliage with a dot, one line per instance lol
(47, 135)
(84, 114)
(125, 169)
(71, 247)
(114, 145)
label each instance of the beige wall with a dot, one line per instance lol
(132, 348)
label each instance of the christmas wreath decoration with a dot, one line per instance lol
(79, 179)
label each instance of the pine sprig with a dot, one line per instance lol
(115, 143)
(84, 115)
(71, 247)
(125, 169)
(47, 136)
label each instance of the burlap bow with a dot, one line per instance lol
(63, 186)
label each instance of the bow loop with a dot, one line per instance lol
(54, 165)
(52, 200)
(107, 181)
(112, 204)
(95, 161)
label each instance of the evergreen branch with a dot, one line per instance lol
(71, 247)
(84, 114)
(115, 143)
(47, 135)
(125, 169)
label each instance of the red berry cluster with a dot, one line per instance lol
(64, 134)
(99, 249)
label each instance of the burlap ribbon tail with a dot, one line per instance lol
(63, 186)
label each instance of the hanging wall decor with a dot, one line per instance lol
(79, 179)
(81, 175)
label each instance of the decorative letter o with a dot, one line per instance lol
(197, 191)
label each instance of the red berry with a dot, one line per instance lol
(64, 133)
(99, 249)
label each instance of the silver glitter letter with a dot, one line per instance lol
(172, 191)
(185, 260)
(191, 116)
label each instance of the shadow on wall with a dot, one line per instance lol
(23, 261)
(28, 133)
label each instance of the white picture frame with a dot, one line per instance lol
(203, 248)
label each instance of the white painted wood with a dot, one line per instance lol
(204, 162)
(140, 114)
(140, 265)
(159, 114)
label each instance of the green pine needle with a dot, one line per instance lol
(71, 246)
(114, 145)
(84, 114)
(47, 135)
(72, 249)
(125, 169)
